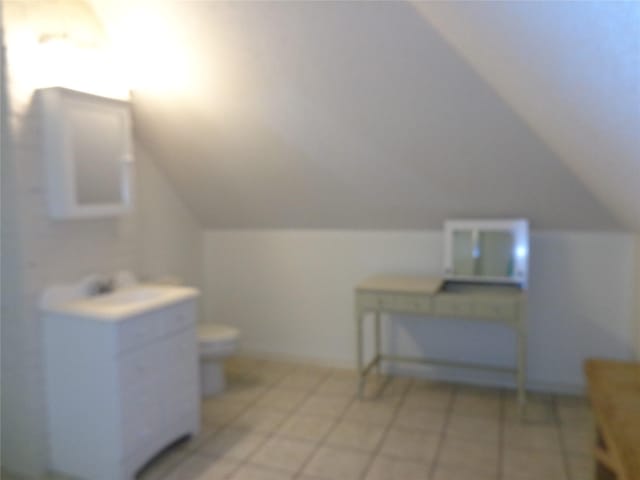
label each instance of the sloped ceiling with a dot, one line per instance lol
(571, 70)
(356, 115)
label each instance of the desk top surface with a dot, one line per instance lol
(401, 283)
(424, 285)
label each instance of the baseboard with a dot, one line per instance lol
(445, 374)
(299, 359)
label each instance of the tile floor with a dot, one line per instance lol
(282, 421)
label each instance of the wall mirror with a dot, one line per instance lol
(488, 251)
(87, 152)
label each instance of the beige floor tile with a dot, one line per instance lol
(410, 445)
(571, 401)
(420, 419)
(539, 409)
(253, 472)
(479, 390)
(383, 397)
(303, 380)
(356, 435)
(316, 369)
(346, 373)
(217, 413)
(283, 453)
(370, 412)
(192, 444)
(426, 385)
(271, 372)
(329, 406)
(244, 394)
(306, 427)
(433, 400)
(581, 467)
(242, 379)
(282, 399)
(531, 437)
(389, 468)
(473, 428)
(475, 456)
(484, 404)
(234, 397)
(343, 385)
(198, 467)
(260, 419)
(337, 464)
(232, 443)
(273, 365)
(447, 472)
(574, 411)
(163, 463)
(532, 465)
(239, 363)
(394, 386)
(577, 440)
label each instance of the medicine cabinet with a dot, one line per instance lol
(87, 153)
(487, 251)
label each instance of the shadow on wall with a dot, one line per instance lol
(249, 161)
(491, 344)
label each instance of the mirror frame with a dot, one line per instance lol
(519, 229)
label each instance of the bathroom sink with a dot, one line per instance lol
(126, 302)
(130, 295)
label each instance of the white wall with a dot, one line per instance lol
(291, 293)
(171, 238)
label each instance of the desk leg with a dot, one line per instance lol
(522, 367)
(359, 348)
(378, 343)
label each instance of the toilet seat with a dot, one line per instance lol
(216, 339)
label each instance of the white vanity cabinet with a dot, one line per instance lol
(119, 390)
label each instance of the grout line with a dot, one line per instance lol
(563, 450)
(223, 427)
(443, 434)
(374, 454)
(268, 388)
(336, 421)
(289, 415)
(502, 419)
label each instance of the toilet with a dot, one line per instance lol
(215, 343)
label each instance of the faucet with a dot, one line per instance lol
(102, 286)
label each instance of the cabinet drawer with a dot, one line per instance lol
(451, 306)
(377, 301)
(413, 304)
(139, 331)
(142, 419)
(178, 317)
(368, 300)
(497, 309)
(138, 367)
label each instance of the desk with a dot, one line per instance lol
(424, 296)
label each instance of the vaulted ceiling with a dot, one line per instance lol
(384, 115)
